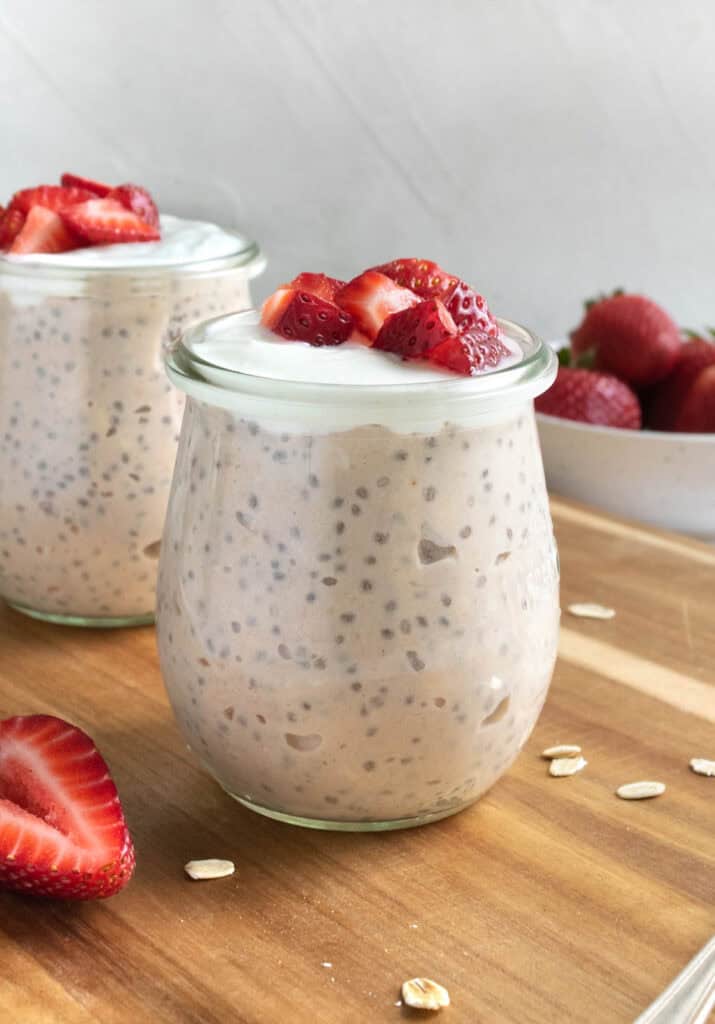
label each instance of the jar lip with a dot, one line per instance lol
(530, 375)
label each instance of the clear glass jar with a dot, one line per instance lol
(358, 590)
(89, 427)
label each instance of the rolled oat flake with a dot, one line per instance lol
(203, 870)
(640, 790)
(702, 766)
(424, 994)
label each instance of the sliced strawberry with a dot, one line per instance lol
(97, 188)
(428, 280)
(412, 332)
(10, 226)
(300, 316)
(62, 830)
(370, 298)
(469, 353)
(317, 284)
(52, 197)
(102, 221)
(139, 201)
(44, 231)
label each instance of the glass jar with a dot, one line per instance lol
(89, 426)
(358, 590)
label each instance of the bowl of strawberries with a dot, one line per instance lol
(629, 423)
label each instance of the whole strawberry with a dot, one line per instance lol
(591, 398)
(685, 400)
(629, 336)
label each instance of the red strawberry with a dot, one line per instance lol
(413, 332)
(667, 401)
(300, 316)
(428, 280)
(52, 197)
(316, 284)
(102, 221)
(469, 353)
(697, 415)
(44, 231)
(591, 398)
(370, 298)
(10, 224)
(76, 181)
(630, 336)
(138, 200)
(62, 831)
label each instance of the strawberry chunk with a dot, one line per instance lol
(469, 353)
(139, 201)
(10, 225)
(428, 280)
(52, 197)
(317, 284)
(300, 316)
(62, 830)
(97, 188)
(103, 221)
(43, 231)
(370, 298)
(413, 332)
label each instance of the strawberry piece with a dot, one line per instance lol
(300, 316)
(52, 197)
(317, 284)
(629, 336)
(591, 397)
(97, 188)
(370, 298)
(103, 221)
(10, 226)
(412, 332)
(428, 280)
(469, 353)
(667, 401)
(139, 201)
(44, 231)
(62, 830)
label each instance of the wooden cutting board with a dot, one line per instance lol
(550, 900)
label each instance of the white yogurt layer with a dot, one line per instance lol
(182, 241)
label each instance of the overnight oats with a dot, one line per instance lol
(358, 589)
(88, 421)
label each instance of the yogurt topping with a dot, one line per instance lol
(182, 241)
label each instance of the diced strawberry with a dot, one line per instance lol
(97, 188)
(300, 316)
(52, 197)
(429, 281)
(103, 221)
(138, 200)
(62, 830)
(317, 284)
(370, 298)
(10, 226)
(44, 231)
(412, 332)
(469, 353)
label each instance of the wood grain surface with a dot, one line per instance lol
(550, 900)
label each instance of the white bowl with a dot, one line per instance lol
(667, 480)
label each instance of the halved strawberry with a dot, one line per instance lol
(62, 830)
(97, 188)
(103, 221)
(412, 332)
(44, 231)
(52, 197)
(10, 226)
(316, 284)
(469, 353)
(428, 280)
(370, 298)
(300, 316)
(138, 200)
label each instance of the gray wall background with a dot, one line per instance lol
(543, 149)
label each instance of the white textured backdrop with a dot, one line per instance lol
(543, 149)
